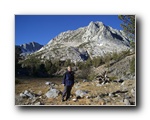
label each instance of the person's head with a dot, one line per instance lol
(69, 68)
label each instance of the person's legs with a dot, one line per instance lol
(68, 92)
(64, 93)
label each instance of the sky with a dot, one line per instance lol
(43, 28)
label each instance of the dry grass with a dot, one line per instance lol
(38, 84)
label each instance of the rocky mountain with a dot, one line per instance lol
(93, 40)
(29, 48)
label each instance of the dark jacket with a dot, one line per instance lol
(68, 79)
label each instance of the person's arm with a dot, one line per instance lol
(64, 77)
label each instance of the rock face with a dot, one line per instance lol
(29, 48)
(96, 39)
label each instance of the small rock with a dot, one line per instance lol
(30, 95)
(38, 103)
(110, 94)
(122, 83)
(126, 102)
(40, 97)
(26, 92)
(48, 83)
(87, 97)
(85, 80)
(74, 99)
(22, 95)
(40, 93)
(133, 92)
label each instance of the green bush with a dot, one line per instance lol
(67, 63)
(91, 76)
(115, 56)
(85, 73)
(132, 65)
(113, 78)
(97, 61)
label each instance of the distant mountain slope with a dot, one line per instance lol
(29, 48)
(96, 39)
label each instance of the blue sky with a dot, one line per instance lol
(42, 28)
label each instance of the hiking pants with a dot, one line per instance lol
(66, 92)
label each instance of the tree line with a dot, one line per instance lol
(33, 66)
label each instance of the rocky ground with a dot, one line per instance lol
(47, 91)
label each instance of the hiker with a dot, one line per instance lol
(68, 82)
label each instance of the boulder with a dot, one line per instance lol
(30, 95)
(27, 94)
(81, 93)
(52, 93)
(22, 95)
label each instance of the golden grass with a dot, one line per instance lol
(38, 84)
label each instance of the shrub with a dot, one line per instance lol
(107, 59)
(91, 76)
(115, 56)
(85, 73)
(67, 63)
(113, 78)
(132, 65)
(97, 61)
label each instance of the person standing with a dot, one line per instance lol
(68, 82)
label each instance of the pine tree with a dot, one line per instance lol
(128, 25)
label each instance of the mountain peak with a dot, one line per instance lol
(30, 47)
(97, 23)
(96, 39)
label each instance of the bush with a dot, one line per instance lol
(115, 56)
(67, 63)
(107, 59)
(85, 73)
(113, 78)
(132, 44)
(91, 76)
(97, 61)
(132, 65)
